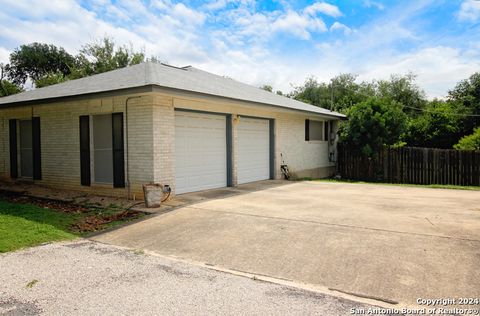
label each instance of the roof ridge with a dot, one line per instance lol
(172, 66)
(186, 78)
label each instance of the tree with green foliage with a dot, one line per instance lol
(437, 126)
(7, 87)
(37, 60)
(373, 124)
(267, 87)
(343, 91)
(466, 95)
(404, 90)
(470, 142)
(346, 92)
(313, 92)
(102, 56)
(47, 64)
(50, 79)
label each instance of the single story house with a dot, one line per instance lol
(154, 123)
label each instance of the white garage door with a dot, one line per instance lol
(200, 152)
(253, 141)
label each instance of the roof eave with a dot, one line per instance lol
(152, 88)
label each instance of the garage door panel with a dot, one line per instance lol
(200, 152)
(253, 143)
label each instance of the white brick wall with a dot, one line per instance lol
(151, 138)
(60, 141)
(164, 141)
(304, 159)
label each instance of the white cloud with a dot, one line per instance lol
(161, 4)
(337, 26)
(323, 7)
(173, 36)
(240, 42)
(216, 5)
(371, 53)
(436, 67)
(374, 4)
(4, 55)
(469, 10)
(188, 15)
(299, 25)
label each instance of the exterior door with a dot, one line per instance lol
(200, 151)
(253, 147)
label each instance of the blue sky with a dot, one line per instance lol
(279, 43)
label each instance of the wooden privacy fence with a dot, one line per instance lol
(412, 165)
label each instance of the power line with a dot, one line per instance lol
(439, 112)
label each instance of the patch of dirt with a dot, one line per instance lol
(61, 206)
(93, 220)
(97, 222)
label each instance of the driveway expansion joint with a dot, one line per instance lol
(336, 224)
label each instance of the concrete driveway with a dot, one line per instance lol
(385, 242)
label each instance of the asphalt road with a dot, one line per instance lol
(89, 278)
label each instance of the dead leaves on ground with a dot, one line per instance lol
(97, 222)
(95, 218)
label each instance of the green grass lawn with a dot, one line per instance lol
(25, 225)
(434, 186)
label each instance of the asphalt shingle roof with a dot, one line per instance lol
(186, 78)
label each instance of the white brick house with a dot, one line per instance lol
(113, 132)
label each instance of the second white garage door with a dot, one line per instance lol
(253, 158)
(200, 151)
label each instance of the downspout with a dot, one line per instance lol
(126, 143)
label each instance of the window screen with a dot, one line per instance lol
(26, 150)
(315, 130)
(102, 148)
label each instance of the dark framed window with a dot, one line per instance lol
(108, 149)
(314, 130)
(29, 146)
(326, 132)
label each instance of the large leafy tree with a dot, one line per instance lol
(467, 95)
(7, 87)
(267, 87)
(338, 94)
(346, 92)
(404, 90)
(343, 91)
(438, 126)
(313, 92)
(47, 64)
(51, 79)
(104, 55)
(373, 124)
(37, 60)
